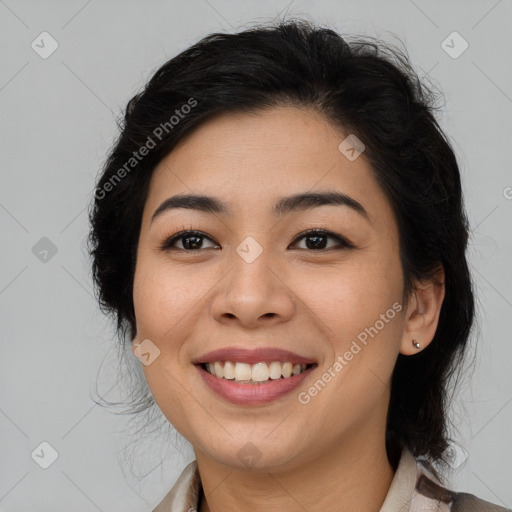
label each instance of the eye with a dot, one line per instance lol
(191, 240)
(316, 240)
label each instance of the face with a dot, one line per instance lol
(254, 278)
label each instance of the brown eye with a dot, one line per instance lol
(317, 240)
(190, 241)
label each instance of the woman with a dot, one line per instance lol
(281, 235)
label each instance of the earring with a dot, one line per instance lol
(416, 344)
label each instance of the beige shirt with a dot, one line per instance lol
(413, 489)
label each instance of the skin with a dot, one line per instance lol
(328, 454)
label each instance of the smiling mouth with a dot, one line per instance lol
(258, 373)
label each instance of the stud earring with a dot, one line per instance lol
(416, 344)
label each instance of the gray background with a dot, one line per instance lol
(57, 124)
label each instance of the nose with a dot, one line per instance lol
(253, 295)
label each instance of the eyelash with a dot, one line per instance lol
(167, 245)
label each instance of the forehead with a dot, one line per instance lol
(251, 160)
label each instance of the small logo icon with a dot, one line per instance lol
(351, 147)
(146, 352)
(507, 192)
(454, 45)
(249, 249)
(45, 455)
(456, 455)
(249, 455)
(44, 45)
(44, 250)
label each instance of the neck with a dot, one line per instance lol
(355, 476)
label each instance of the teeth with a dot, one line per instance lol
(258, 372)
(275, 370)
(287, 370)
(219, 371)
(229, 370)
(243, 371)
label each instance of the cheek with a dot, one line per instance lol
(165, 298)
(360, 306)
(165, 301)
(352, 297)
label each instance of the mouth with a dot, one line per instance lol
(253, 377)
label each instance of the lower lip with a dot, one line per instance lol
(252, 394)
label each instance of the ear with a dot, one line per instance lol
(422, 315)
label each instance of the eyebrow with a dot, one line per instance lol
(285, 205)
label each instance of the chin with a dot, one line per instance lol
(256, 452)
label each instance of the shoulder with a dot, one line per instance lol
(184, 495)
(463, 502)
(445, 499)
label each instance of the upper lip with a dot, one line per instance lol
(243, 355)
